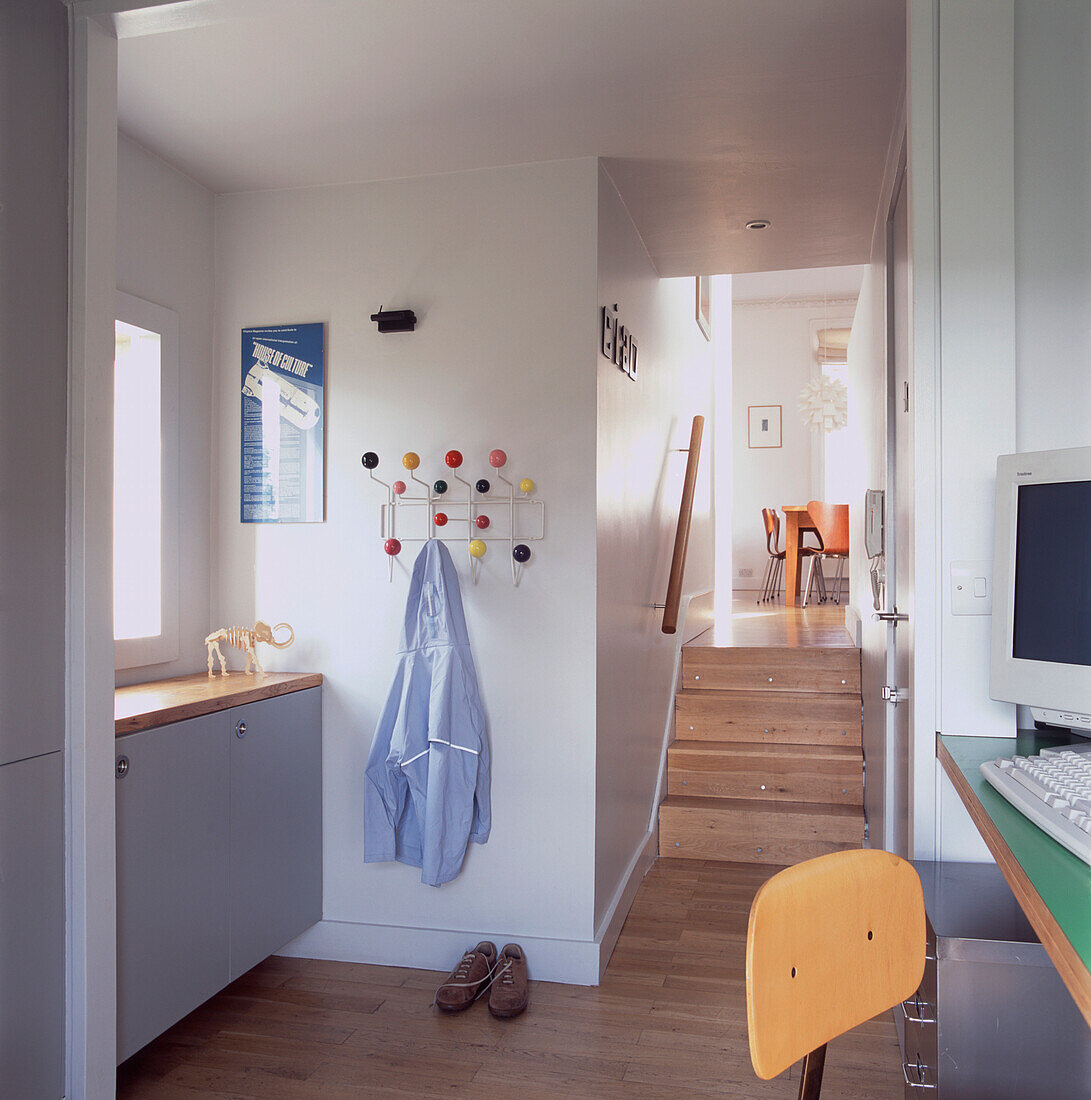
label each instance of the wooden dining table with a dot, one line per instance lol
(797, 522)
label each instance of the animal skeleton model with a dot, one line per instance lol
(245, 638)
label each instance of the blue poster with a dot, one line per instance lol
(283, 469)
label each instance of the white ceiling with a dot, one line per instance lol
(709, 112)
(834, 283)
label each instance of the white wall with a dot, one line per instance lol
(34, 286)
(975, 251)
(1000, 225)
(1052, 226)
(164, 255)
(500, 268)
(92, 897)
(1014, 269)
(977, 329)
(723, 436)
(34, 360)
(773, 359)
(867, 435)
(1052, 223)
(639, 486)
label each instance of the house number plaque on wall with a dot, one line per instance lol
(618, 343)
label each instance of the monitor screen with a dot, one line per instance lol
(1052, 604)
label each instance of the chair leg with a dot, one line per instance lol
(765, 577)
(810, 581)
(822, 594)
(810, 1084)
(778, 572)
(840, 570)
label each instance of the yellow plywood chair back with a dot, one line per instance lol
(831, 943)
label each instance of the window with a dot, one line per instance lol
(145, 483)
(832, 455)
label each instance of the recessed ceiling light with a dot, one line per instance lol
(758, 223)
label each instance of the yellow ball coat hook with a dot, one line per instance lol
(477, 548)
(410, 460)
(526, 485)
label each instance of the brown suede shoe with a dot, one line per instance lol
(460, 989)
(509, 993)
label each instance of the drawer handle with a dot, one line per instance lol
(921, 1071)
(240, 729)
(921, 1007)
(121, 768)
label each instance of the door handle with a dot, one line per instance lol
(890, 617)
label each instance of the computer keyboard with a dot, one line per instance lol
(1053, 789)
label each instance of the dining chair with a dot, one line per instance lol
(774, 568)
(831, 942)
(770, 583)
(832, 523)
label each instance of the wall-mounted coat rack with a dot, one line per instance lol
(441, 508)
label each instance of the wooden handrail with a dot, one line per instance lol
(681, 535)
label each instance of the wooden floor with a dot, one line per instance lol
(669, 1020)
(757, 624)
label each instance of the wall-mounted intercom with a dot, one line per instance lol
(874, 500)
(875, 542)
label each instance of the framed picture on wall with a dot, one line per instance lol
(704, 307)
(282, 424)
(764, 426)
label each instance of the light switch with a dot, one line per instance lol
(971, 588)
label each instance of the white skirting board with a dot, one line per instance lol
(574, 962)
(853, 624)
(609, 928)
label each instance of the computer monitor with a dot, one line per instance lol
(1041, 628)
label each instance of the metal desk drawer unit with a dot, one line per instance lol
(991, 1019)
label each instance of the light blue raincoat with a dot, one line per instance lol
(426, 784)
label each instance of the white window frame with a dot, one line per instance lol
(163, 647)
(820, 439)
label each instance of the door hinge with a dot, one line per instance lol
(894, 694)
(867, 833)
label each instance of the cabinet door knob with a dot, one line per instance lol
(121, 768)
(240, 729)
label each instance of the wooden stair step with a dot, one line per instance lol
(827, 774)
(795, 717)
(751, 831)
(835, 670)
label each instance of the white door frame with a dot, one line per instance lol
(922, 181)
(90, 879)
(89, 676)
(916, 124)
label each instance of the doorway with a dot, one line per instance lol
(780, 325)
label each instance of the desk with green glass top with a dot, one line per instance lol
(1052, 886)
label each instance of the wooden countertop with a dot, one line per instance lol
(144, 706)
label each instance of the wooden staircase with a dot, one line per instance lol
(766, 766)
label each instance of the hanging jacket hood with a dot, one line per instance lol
(426, 791)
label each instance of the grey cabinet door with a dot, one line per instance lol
(276, 824)
(32, 928)
(172, 875)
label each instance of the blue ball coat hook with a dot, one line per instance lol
(521, 553)
(483, 485)
(440, 487)
(370, 460)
